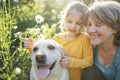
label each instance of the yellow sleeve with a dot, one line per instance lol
(87, 56)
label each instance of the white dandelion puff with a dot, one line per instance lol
(17, 71)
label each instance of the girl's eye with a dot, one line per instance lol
(69, 21)
(78, 23)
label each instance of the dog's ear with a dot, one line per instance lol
(63, 53)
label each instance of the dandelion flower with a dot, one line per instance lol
(39, 18)
(15, 27)
(17, 34)
(35, 31)
(43, 28)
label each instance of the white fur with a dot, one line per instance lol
(52, 55)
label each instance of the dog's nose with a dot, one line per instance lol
(40, 58)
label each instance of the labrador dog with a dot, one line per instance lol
(45, 56)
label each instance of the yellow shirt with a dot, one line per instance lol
(80, 52)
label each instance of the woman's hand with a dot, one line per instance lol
(65, 61)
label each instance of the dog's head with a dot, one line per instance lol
(45, 55)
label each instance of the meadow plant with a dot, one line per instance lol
(41, 30)
(13, 65)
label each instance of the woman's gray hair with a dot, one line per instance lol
(107, 12)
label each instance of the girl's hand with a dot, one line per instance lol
(65, 61)
(28, 43)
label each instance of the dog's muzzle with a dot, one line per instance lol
(40, 59)
(43, 69)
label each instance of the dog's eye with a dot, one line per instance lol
(51, 47)
(35, 49)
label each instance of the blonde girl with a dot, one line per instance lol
(77, 45)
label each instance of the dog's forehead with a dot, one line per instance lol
(46, 42)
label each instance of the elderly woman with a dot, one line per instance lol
(103, 27)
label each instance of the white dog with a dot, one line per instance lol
(45, 56)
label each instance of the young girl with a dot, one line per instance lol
(76, 44)
(79, 53)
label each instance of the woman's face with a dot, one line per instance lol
(99, 32)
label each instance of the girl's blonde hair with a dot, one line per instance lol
(75, 6)
(107, 12)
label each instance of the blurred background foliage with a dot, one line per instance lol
(49, 9)
(27, 9)
(17, 20)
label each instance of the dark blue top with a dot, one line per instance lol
(112, 72)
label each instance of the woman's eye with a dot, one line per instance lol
(98, 25)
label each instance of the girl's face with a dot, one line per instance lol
(73, 24)
(99, 32)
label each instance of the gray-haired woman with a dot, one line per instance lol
(103, 26)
